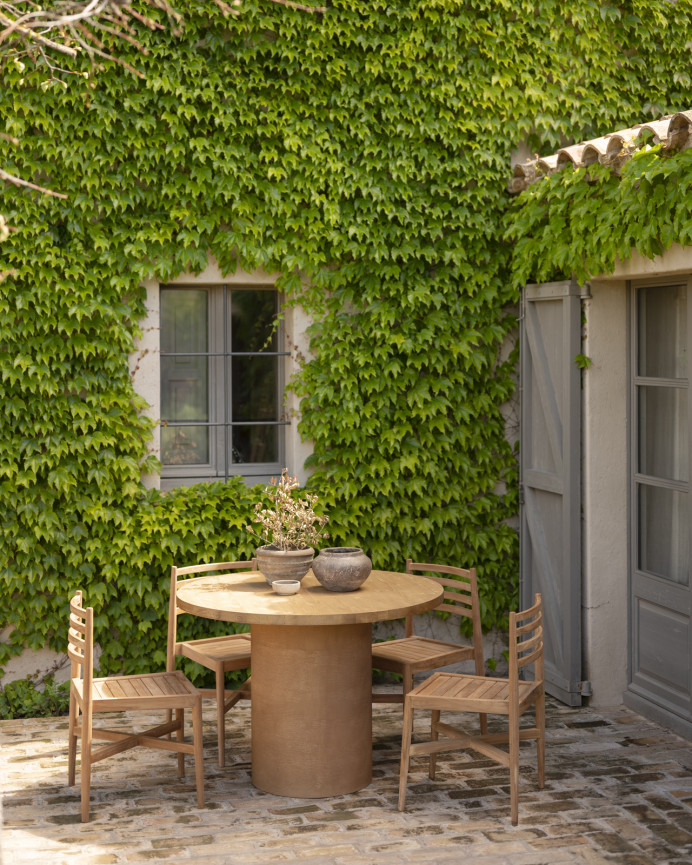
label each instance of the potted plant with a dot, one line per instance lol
(289, 527)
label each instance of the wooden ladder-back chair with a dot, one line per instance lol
(220, 654)
(512, 697)
(145, 693)
(413, 654)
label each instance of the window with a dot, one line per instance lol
(221, 384)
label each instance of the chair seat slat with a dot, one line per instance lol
(413, 650)
(217, 650)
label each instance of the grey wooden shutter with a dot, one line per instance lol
(550, 512)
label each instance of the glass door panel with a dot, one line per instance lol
(662, 331)
(663, 440)
(664, 533)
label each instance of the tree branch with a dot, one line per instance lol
(300, 6)
(70, 23)
(18, 181)
(28, 33)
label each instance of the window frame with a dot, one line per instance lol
(219, 352)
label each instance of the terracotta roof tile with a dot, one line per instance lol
(673, 132)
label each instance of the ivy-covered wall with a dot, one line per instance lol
(365, 150)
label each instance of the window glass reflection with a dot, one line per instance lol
(662, 314)
(184, 377)
(663, 533)
(662, 430)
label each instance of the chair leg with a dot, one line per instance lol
(180, 737)
(85, 767)
(72, 741)
(484, 723)
(220, 714)
(540, 741)
(408, 680)
(434, 735)
(514, 768)
(406, 734)
(199, 752)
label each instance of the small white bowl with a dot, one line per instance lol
(286, 587)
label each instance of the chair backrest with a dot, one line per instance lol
(80, 643)
(526, 641)
(460, 596)
(174, 611)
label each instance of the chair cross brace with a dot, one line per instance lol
(484, 744)
(125, 741)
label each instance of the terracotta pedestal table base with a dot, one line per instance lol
(311, 714)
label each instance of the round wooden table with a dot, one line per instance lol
(311, 671)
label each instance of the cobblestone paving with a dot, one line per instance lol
(618, 790)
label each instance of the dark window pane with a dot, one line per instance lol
(188, 445)
(663, 533)
(254, 388)
(252, 319)
(662, 331)
(255, 444)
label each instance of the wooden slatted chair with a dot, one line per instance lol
(220, 654)
(146, 693)
(512, 697)
(413, 654)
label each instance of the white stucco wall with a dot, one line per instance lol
(677, 259)
(604, 493)
(144, 370)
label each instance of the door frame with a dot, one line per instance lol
(658, 710)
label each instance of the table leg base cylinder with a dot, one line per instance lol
(311, 709)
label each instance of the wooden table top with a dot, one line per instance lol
(246, 597)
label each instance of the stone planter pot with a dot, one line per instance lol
(276, 564)
(341, 569)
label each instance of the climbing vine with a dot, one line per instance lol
(579, 222)
(362, 152)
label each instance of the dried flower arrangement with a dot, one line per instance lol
(291, 523)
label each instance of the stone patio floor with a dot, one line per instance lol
(618, 790)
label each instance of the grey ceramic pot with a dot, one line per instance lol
(341, 569)
(278, 564)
